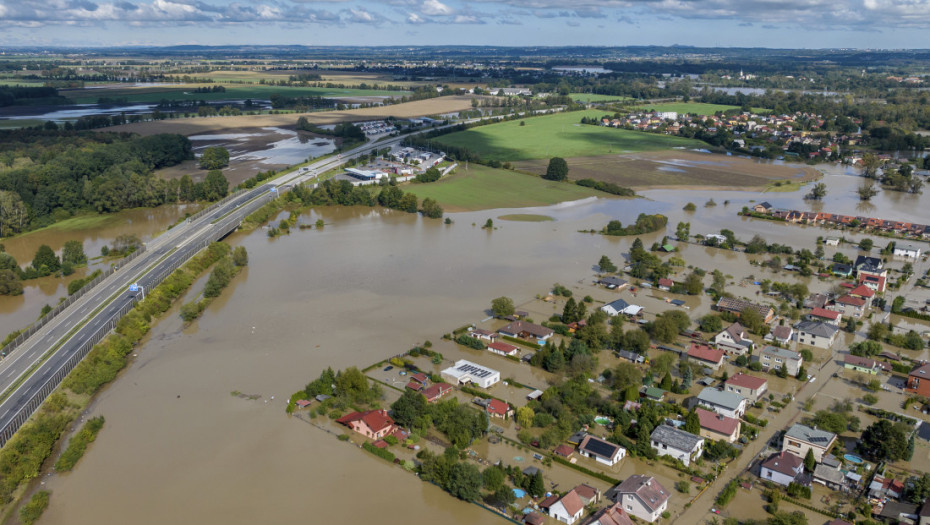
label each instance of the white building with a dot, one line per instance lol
(907, 250)
(670, 441)
(568, 509)
(801, 438)
(601, 451)
(464, 372)
(816, 333)
(729, 404)
(643, 497)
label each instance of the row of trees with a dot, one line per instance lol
(344, 194)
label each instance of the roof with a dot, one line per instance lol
(705, 353)
(863, 362)
(586, 492)
(572, 502)
(784, 462)
(716, 422)
(302, 403)
(618, 305)
(517, 327)
(612, 280)
(850, 300)
(564, 450)
(612, 515)
(675, 438)
(419, 376)
(738, 305)
(534, 518)
(818, 328)
(820, 438)
(503, 347)
(782, 332)
(647, 488)
(465, 368)
(377, 420)
(736, 331)
(747, 381)
(830, 474)
(666, 282)
(824, 313)
(862, 290)
(548, 502)
(496, 406)
(874, 262)
(599, 447)
(921, 371)
(435, 390)
(729, 400)
(783, 353)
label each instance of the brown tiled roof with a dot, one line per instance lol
(717, 423)
(705, 353)
(587, 492)
(784, 462)
(435, 390)
(613, 515)
(850, 300)
(503, 347)
(564, 450)
(824, 313)
(377, 420)
(647, 488)
(535, 330)
(862, 291)
(572, 502)
(498, 407)
(746, 381)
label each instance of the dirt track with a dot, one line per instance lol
(193, 126)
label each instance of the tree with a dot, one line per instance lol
(410, 407)
(884, 440)
(606, 265)
(240, 256)
(666, 383)
(870, 165)
(73, 253)
(810, 462)
(751, 319)
(430, 208)
(818, 192)
(867, 191)
(525, 416)
(215, 185)
(465, 481)
(625, 376)
(214, 158)
(719, 281)
(681, 319)
(557, 169)
(502, 306)
(711, 323)
(665, 329)
(636, 341)
(537, 486)
(570, 312)
(866, 244)
(45, 257)
(694, 284)
(683, 231)
(493, 478)
(692, 423)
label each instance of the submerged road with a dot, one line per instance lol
(37, 366)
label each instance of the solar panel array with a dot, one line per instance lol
(819, 439)
(474, 370)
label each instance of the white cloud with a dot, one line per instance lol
(414, 18)
(435, 8)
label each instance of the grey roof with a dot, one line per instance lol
(818, 328)
(873, 262)
(820, 438)
(780, 352)
(618, 305)
(677, 439)
(646, 488)
(712, 396)
(612, 280)
(833, 475)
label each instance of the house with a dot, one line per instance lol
(876, 279)
(498, 408)
(482, 334)
(864, 364)
(850, 306)
(653, 393)
(464, 372)
(782, 468)
(589, 495)
(615, 307)
(750, 387)
(907, 250)
(716, 426)
(436, 391)
(863, 292)
(729, 404)
(632, 357)
(534, 518)
(373, 424)
(665, 284)
(762, 207)
(830, 476)
(918, 381)
(705, 355)
(503, 349)
(612, 515)
(568, 508)
(832, 241)
(564, 451)
(826, 316)
(898, 512)
(612, 282)
(681, 445)
(600, 450)
(800, 438)
(736, 307)
(816, 333)
(783, 333)
(526, 330)
(773, 358)
(734, 340)
(643, 497)
(842, 270)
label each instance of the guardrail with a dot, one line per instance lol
(36, 326)
(223, 228)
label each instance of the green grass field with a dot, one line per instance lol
(252, 91)
(559, 135)
(526, 217)
(20, 123)
(699, 108)
(591, 97)
(483, 188)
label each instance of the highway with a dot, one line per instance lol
(33, 369)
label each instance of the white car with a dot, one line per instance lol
(812, 379)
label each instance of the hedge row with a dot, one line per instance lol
(78, 444)
(380, 452)
(579, 468)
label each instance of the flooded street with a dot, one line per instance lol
(177, 447)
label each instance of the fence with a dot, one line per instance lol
(35, 327)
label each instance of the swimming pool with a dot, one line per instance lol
(852, 458)
(601, 420)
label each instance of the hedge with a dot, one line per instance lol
(380, 452)
(727, 494)
(598, 475)
(78, 444)
(527, 344)
(808, 507)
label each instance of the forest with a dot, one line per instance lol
(49, 175)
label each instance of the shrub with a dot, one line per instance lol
(78, 444)
(380, 452)
(31, 511)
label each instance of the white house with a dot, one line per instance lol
(643, 497)
(503, 349)
(729, 404)
(801, 438)
(773, 358)
(464, 372)
(615, 308)
(715, 426)
(568, 509)
(750, 387)
(907, 250)
(670, 441)
(733, 339)
(782, 468)
(601, 451)
(816, 333)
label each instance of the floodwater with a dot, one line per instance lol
(177, 447)
(288, 148)
(18, 312)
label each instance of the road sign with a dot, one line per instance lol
(133, 287)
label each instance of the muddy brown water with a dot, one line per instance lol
(177, 447)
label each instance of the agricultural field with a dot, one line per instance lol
(482, 188)
(558, 135)
(592, 97)
(233, 91)
(682, 169)
(698, 108)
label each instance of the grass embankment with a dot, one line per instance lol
(525, 217)
(32, 511)
(23, 455)
(245, 91)
(593, 97)
(559, 135)
(697, 108)
(78, 444)
(483, 188)
(783, 186)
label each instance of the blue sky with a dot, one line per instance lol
(752, 23)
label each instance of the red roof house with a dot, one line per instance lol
(823, 313)
(436, 391)
(715, 426)
(373, 424)
(705, 355)
(564, 450)
(497, 408)
(503, 349)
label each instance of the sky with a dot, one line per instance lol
(885, 24)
